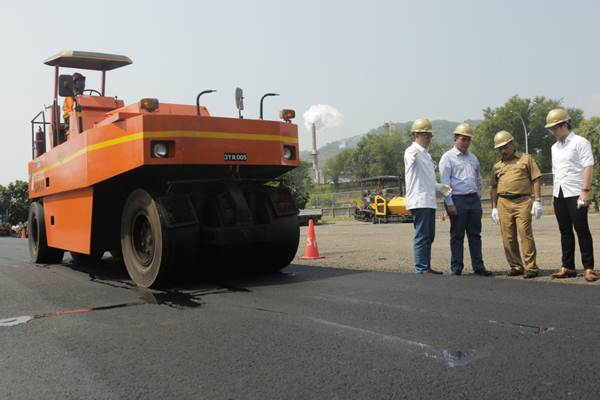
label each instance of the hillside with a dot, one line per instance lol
(442, 131)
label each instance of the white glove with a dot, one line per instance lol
(445, 190)
(495, 216)
(536, 210)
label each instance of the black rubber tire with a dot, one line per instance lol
(285, 234)
(87, 259)
(38, 246)
(145, 241)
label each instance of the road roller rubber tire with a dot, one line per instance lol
(145, 240)
(285, 233)
(38, 246)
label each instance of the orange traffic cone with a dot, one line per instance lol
(24, 233)
(312, 249)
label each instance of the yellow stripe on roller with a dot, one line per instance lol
(165, 135)
(221, 135)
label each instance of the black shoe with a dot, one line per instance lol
(456, 273)
(482, 272)
(532, 273)
(515, 271)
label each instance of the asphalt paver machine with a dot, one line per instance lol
(382, 201)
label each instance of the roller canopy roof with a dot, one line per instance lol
(88, 60)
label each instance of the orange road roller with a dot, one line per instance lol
(164, 187)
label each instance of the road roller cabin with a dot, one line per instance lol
(162, 186)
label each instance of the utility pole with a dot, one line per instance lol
(524, 129)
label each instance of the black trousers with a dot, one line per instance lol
(569, 217)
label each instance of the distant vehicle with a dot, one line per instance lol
(382, 201)
(5, 230)
(162, 186)
(309, 213)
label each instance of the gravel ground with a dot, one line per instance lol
(365, 246)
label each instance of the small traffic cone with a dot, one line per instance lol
(312, 249)
(24, 233)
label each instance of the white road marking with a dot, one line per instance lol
(452, 358)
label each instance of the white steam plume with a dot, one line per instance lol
(322, 115)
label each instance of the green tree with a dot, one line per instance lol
(338, 167)
(376, 154)
(14, 202)
(300, 182)
(590, 129)
(379, 154)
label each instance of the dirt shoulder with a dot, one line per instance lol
(353, 245)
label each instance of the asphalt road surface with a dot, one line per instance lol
(311, 332)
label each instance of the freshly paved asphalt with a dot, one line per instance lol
(307, 333)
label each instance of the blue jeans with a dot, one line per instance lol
(467, 221)
(424, 234)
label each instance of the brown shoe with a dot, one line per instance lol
(565, 273)
(433, 272)
(590, 276)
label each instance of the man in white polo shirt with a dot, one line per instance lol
(572, 166)
(420, 194)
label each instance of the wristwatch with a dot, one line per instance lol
(585, 190)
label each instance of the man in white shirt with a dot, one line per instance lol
(572, 166)
(420, 194)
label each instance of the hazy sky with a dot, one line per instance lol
(374, 61)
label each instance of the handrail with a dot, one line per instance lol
(198, 99)
(43, 124)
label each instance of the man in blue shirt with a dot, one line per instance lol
(459, 169)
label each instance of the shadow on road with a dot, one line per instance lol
(190, 285)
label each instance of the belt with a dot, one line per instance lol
(512, 196)
(468, 194)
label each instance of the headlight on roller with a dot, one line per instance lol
(160, 149)
(289, 153)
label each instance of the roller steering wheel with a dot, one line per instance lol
(92, 91)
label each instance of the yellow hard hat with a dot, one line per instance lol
(557, 116)
(421, 125)
(501, 138)
(464, 129)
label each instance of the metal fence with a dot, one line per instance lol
(338, 212)
(334, 199)
(338, 203)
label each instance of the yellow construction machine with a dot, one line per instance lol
(382, 201)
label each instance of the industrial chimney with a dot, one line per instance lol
(386, 129)
(315, 155)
